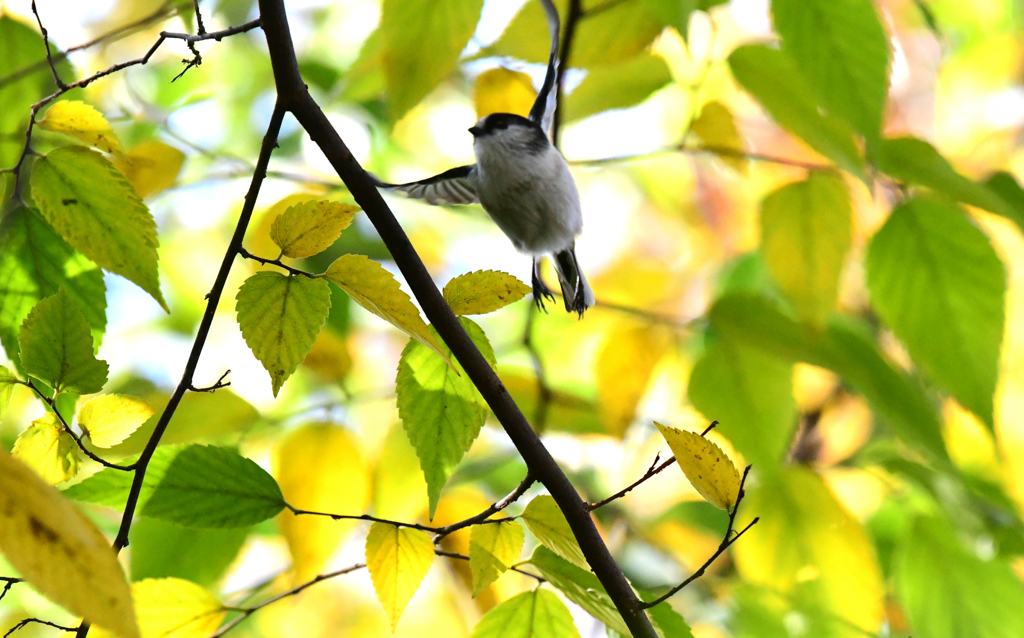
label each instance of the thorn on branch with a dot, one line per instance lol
(221, 383)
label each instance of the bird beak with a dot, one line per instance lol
(476, 131)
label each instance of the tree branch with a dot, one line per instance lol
(490, 511)
(571, 19)
(294, 96)
(29, 621)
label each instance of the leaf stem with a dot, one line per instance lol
(275, 262)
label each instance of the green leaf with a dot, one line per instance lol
(421, 43)
(843, 348)
(811, 550)
(110, 487)
(842, 50)
(56, 347)
(533, 614)
(774, 80)
(545, 520)
(579, 586)
(280, 317)
(617, 87)
(1006, 187)
(7, 381)
(93, 207)
(212, 487)
(937, 282)
(668, 620)
(716, 127)
(162, 550)
(34, 263)
(750, 392)
(915, 161)
(441, 409)
(805, 235)
(493, 548)
(948, 592)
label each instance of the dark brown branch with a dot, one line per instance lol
(274, 262)
(295, 97)
(221, 383)
(572, 18)
(363, 517)
(727, 542)
(28, 621)
(50, 403)
(441, 552)
(651, 471)
(46, 43)
(9, 582)
(482, 517)
(200, 27)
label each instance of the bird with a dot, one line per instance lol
(523, 182)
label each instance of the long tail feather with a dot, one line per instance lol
(576, 292)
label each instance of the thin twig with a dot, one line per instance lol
(221, 383)
(50, 403)
(362, 517)
(651, 471)
(46, 43)
(28, 621)
(727, 542)
(200, 28)
(572, 18)
(482, 517)
(441, 552)
(9, 582)
(275, 262)
(724, 151)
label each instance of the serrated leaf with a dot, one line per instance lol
(319, 468)
(375, 289)
(56, 347)
(441, 410)
(7, 381)
(60, 552)
(410, 27)
(176, 608)
(705, 465)
(810, 549)
(716, 127)
(624, 365)
(493, 548)
(843, 51)
(805, 235)
(617, 86)
(502, 90)
(580, 586)
(83, 122)
(532, 614)
(280, 317)
(46, 448)
(212, 487)
(151, 167)
(109, 486)
(483, 291)
(398, 559)
(111, 418)
(308, 228)
(774, 80)
(34, 263)
(545, 520)
(938, 283)
(97, 211)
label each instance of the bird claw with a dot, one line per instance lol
(540, 291)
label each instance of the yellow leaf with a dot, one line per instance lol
(319, 468)
(375, 289)
(308, 228)
(503, 91)
(705, 465)
(329, 357)
(176, 608)
(398, 559)
(152, 166)
(483, 291)
(60, 552)
(717, 128)
(624, 367)
(46, 448)
(545, 521)
(111, 418)
(493, 548)
(83, 122)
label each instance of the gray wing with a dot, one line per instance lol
(543, 110)
(454, 186)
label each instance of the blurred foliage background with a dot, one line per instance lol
(888, 477)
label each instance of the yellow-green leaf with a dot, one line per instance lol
(545, 521)
(83, 122)
(7, 381)
(46, 448)
(624, 367)
(308, 228)
(501, 90)
(280, 317)
(532, 614)
(375, 289)
(705, 465)
(493, 548)
(60, 552)
(91, 205)
(56, 347)
(716, 127)
(319, 468)
(151, 166)
(483, 291)
(176, 608)
(111, 418)
(398, 559)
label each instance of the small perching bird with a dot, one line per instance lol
(524, 184)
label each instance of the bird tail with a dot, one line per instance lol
(576, 291)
